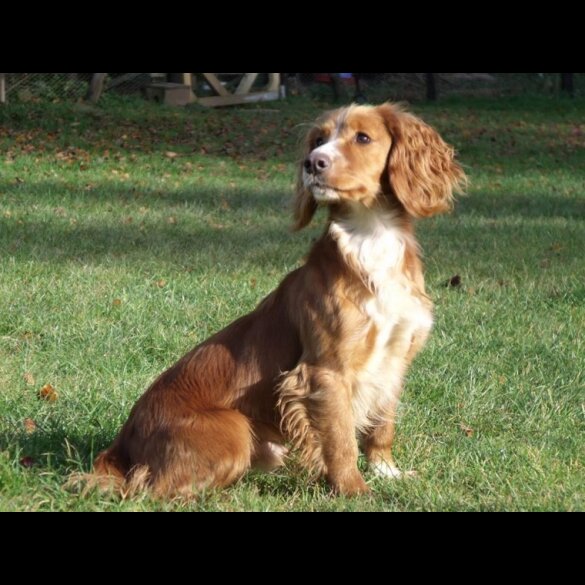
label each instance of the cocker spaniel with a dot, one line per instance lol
(318, 366)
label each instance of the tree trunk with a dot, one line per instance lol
(336, 86)
(96, 87)
(2, 88)
(431, 87)
(567, 83)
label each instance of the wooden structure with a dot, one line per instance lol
(170, 94)
(227, 89)
(96, 87)
(215, 89)
(240, 89)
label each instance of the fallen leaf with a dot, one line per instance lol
(454, 281)
(170, 154)
(27, 462)
(30, 426)
(117, 302)
(467, 430)
(172, 220)
(161, 283)
(47, 392)
(29, 378)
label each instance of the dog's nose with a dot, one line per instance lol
(317, 163)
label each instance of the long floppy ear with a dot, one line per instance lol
(422, 171)
(304, 205)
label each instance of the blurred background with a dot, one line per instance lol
(26, 87)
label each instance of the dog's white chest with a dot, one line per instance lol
(397, 316)
(375, 245)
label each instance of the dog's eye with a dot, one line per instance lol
(319, 142)
(362, 138)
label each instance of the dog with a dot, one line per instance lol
(319, 365)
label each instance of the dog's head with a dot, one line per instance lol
(369, 154)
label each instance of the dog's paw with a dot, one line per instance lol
(350, 486)
(385, 470)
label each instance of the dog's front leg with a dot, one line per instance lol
(331, 412)
(316, 416)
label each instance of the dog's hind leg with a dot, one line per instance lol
(210, 448)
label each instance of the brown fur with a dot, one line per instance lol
(296, 369)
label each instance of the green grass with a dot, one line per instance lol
(131, 232)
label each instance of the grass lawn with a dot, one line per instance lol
(131, 232)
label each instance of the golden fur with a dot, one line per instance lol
(319, 364)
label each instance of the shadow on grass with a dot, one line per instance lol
(59, 449)
(228, 227)
(27, 195)
(538, 205)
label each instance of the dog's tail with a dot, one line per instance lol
(108, 475)
(108, 469)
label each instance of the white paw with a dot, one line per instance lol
(383, 469)
(269, 456)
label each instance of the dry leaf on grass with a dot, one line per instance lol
(467, 430)
(454, 281)
(29, 378)
(47, 392)
(27, 462)
(30, 426)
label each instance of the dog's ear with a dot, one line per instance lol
(422, 171)
(304, 206)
